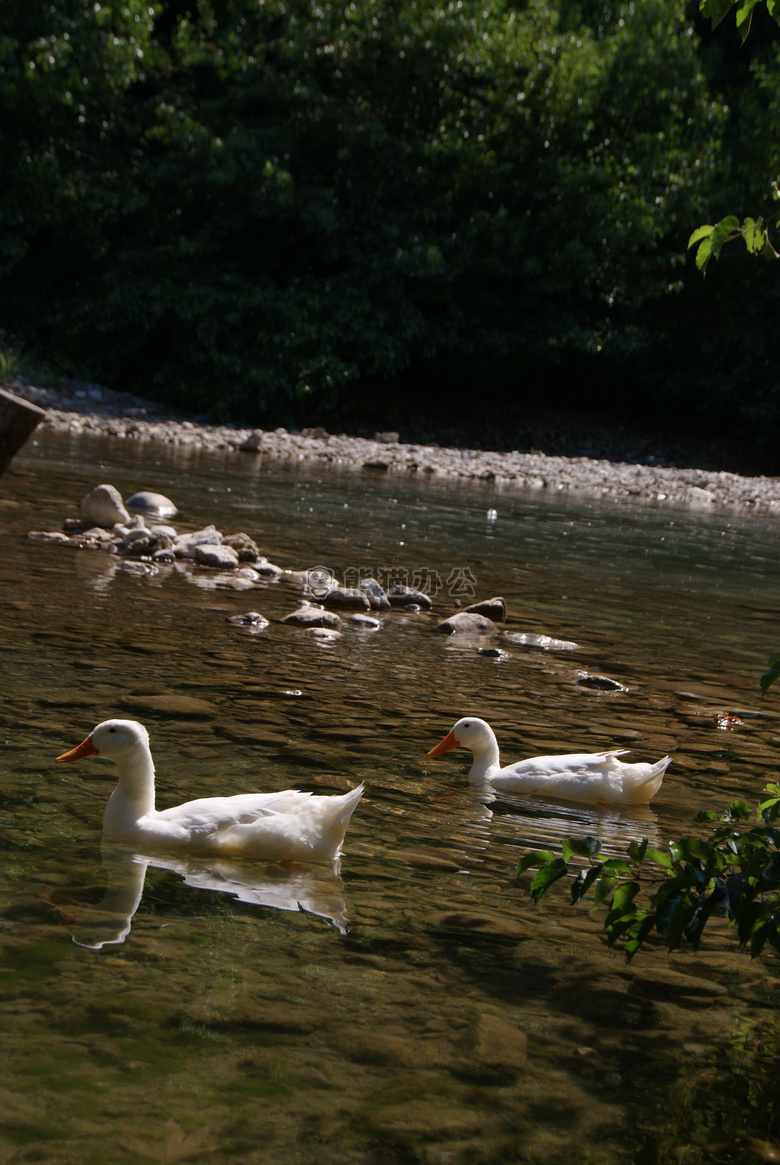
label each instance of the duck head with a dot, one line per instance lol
(470, 731)
(112, 739)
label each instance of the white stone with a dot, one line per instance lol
(184, 544)
(155, 505)
(222, 557)
(103, 506)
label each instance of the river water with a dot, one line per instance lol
(413, 1006)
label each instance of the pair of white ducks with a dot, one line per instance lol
(296, 826)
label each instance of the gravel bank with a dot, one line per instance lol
(79, 408)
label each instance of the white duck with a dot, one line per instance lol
(290, 825)
(598, 778)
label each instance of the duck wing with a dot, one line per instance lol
(595, 778)
(273, 826)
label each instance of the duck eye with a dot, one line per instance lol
(112, 730)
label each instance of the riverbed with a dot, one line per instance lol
(413, 1005)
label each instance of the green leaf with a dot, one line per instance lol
(772, 673)
(758, 938)
(636, 850)
(704, 254)
(535, 857)
(659, 857)
(637, 936)
(602, 891)
(715, 10)
(753, 233)
(584, 881)
(700, 233)
(546, 876)
(765, 808)
(624, 896)
(737, 811)
(585, 847)
(724, 230)
(744, 14)
(706, 815)
(616, 867)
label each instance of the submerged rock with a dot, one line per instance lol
(368, 622)
(401, 596)
(48, 536)
(546, 642)
(347, 598)
(600, 683)
(252, 619)
(172, 705)
(310, 615)
(466, 623)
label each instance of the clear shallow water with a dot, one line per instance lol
(417, 1007)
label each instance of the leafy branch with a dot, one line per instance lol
(771, 674)
(754, 232)
(716, 10)
(736, 870)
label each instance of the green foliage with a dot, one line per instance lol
(709, 240)
(717, 10)
(279, 209)
(753, 232)
(771, 674)
(736, 871)
(248, 207)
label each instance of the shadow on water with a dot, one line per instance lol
(413, 1006)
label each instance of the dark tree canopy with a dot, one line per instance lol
(274, 209)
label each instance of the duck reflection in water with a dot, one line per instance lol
(315, 890)
(532, 823)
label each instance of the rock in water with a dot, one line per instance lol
(223, 557)
(103, 506)
(310, 615)
(494, 609)
(347, 598)
(467, 623)
(376, 595)
(156, 505)
(184, 544)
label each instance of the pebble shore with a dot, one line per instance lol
(93, 409)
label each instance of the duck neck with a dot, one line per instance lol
(486, 761)
(133, 796)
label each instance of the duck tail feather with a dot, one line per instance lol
(657, 770)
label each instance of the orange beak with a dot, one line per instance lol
(445, 745)
(86, 748)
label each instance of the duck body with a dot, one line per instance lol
(289, 825)
(597, 778)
